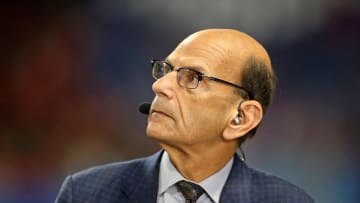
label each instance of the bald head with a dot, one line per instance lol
(236, 46)
(233, 56)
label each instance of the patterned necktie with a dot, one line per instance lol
(190, 191)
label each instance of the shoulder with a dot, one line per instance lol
(108, 171)
(266, 186)
(119, 170)
(106, 180)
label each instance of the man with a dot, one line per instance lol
(211, 93)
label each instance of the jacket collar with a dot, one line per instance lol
(141, 185)
(145, 175)
(237, 187)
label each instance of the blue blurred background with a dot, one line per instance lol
(73, 73)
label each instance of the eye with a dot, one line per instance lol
(191, 76)
(166, 68)
(188, 78)
(160, 69)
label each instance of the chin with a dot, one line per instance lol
(160, 135)
(154, 132)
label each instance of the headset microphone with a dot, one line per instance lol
(144, 108)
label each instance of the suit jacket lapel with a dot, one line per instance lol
(142, 184)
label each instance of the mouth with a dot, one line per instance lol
(157, 112)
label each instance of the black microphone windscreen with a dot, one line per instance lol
(144, 108)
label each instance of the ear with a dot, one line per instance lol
(251, 115)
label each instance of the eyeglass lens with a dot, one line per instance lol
(185, 77)
(160, 69)
(188, 78)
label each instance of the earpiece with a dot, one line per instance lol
(237, 120)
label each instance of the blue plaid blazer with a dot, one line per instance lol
(136, 181)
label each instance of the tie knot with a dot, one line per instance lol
(190, 191)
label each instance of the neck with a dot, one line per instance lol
(198, 163)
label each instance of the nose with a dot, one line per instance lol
(165, 86)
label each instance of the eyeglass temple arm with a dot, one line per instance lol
(232, 84)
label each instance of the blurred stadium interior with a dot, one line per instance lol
(73, 73)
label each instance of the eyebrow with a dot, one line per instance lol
(196, 68)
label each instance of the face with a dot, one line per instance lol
(181, 116)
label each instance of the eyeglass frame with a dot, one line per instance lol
(200, 75)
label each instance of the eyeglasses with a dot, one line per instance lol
(187, 77)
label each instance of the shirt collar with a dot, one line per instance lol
(168, 174)
(213, 185)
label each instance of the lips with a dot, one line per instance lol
(159, 112)
(161, 108)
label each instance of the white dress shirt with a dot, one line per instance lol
(169, 175)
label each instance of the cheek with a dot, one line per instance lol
(204, 121)
(206, 110)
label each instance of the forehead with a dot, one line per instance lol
(211, 56)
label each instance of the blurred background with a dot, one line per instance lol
(72, 74)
